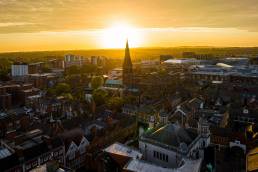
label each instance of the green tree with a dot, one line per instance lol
(115, 103)
(72, 70)
(99, 96)
(5, 64)
(62, 88)
(51, 91)
(88, 68)
(68, 96)
(45, 69)
(4, 75)
(5, 67)
(96, 82)
(130, 99)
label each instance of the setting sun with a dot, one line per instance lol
(115, 36)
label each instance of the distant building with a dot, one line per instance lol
(147, 66)
(44, 80)
(236, 61)
(163, 58)
(116, 73)
(5, 98)
(197, 56)
(56, 64)
(98, 60)
(15, 94)
(20, 69)
(110, 83)
(36, 67)
(226, 73)
(188, 55)
(94, 60)
(73, 60)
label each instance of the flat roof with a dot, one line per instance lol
(120, 149)
(114, 82)
(180, 61)
(143, 166)
(224, 65)
(137, 165)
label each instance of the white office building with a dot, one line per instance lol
(20, 69)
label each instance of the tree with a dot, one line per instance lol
(51, 92)
(5, 64)
(4, 75)
(99, 96)
(115, 103)
(45, 69)
(68, 96)
(72, 70)
(5, 67)
(88, 68)
(96, 82)
(130, 99)
(62, 88)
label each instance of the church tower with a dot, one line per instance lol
(127, 68)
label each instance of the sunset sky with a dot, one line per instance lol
(28, 25)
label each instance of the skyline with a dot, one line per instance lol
(66, 25)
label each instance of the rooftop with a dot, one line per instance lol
(120, 149)
(113, 82)
(143, 166)
(4, 152)
(180, 61)
(171, 136)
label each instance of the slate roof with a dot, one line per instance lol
(123, 150)
(172, 135)
(74, 135)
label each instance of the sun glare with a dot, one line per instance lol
(115, 36)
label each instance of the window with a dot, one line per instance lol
(160, 156)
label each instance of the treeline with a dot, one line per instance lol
(136, 53)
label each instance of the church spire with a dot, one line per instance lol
(127, 68)
(127, 58)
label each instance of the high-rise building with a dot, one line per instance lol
(73, 60)
(19, 69)
(127, 68)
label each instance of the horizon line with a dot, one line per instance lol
(106, 49)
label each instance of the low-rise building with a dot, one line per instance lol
(75, 148)
(29, 150)
(167, 146)
(117, 155)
